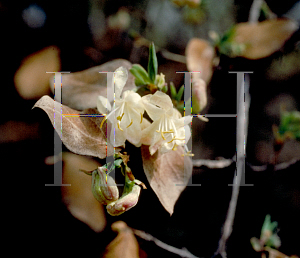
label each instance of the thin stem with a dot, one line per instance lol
(242, 116)
(181, 252)
(255, 11)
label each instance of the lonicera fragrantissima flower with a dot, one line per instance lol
(168, 129)
(126, 115)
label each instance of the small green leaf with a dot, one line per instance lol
(152, 63)
(173, 90)
(128, 185)
(164, 89)
(274, 241)
(180, 93)
(118, 162)
(290, 123)
(267, 225)
(140, 74)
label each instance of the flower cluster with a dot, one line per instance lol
(167, 130)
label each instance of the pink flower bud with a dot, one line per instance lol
(104, 187)
(125, 203)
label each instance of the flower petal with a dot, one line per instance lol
(120, 78)
(153, 111)
(133, 100)
(103, 105)
(162, 100)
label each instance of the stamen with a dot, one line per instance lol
(130, 123)
(120, 117)
(163, 132)
(119, 126)
(141, 118)
(174, 147)
(171, 140)
(189, 154)
(102, 122)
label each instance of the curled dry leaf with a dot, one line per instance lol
(168, 174)
(78, 197)
(31, 79)
(124, 245)
(264, 38)
(200, 56)
(81, 89)
(81, 135)
(199, 96)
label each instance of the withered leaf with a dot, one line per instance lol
(31, 79)
(264, 38)
(200, 56)
(81, 135)
(81, 89)
(78, 197)
(168, 174)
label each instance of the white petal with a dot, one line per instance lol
(133, 99)
(117, 137)
(103, 105)
(162, 100)
(120, 78)
(153, 111)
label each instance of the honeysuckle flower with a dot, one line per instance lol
(127, 113)
(168, 129)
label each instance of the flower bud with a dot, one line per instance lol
(104, 187)
(160, 81)
(126, 202)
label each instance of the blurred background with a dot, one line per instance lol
(39, 36)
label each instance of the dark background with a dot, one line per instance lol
(40, 217)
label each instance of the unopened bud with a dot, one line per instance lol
(126, 202)
(104, 187)
(160, 81)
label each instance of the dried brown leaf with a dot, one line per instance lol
(31, 79)
(81, 135)
(200, 57)
(166, 175)
(78, 197)
(81, 89)
(264, 38)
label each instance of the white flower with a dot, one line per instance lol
(126, 115)
(168, 129)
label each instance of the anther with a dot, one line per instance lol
(141, 118)
(130, 123)
(189, 154)
(120, 117)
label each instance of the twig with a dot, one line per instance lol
(212, 163)
(141, 41)
(173, 57)
(181, 252)
(242, 116)
(277, 167)
(255, 11)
